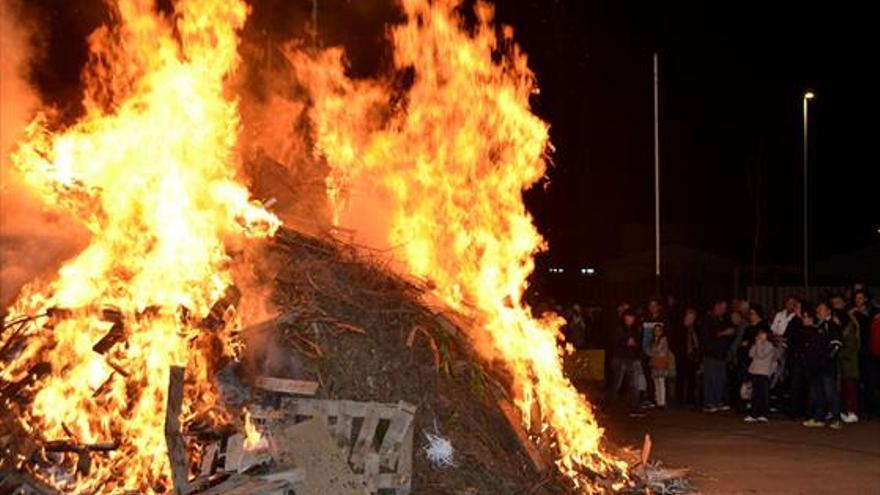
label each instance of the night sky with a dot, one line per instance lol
(732, 77)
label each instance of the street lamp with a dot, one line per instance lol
(809, 95)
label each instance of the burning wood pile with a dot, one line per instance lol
(342, 392)
(337, 394)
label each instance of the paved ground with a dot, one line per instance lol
(728, 456)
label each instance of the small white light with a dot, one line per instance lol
(591, 271)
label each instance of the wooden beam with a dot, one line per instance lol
(514, 418)
(173, 435)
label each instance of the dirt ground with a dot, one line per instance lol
(728, 456)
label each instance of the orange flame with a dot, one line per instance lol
(150, 170)
(253, 439)
(455, 156)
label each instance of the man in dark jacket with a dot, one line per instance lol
(869, 366)
(716, 336)
(626, 363)
(821, 343)
(798, 382)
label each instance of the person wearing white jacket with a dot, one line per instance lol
(784, 317)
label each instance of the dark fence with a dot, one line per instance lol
(697, 291)
(692, 290)
(773, 296)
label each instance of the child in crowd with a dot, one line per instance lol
(659, 353)
(763, 356)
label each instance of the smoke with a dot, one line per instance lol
(278, 162)
(33, 241)
(286, 74)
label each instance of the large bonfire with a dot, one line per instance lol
(151, 170)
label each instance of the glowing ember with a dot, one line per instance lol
(150, 170)
(455, 157)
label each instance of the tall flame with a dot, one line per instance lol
(150, 170)
(455, 156)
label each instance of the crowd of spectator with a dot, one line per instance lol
(817, 362)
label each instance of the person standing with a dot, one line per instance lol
(716, 334)
(688, 364)
(763, 359)
(784, 318)
(791, 378)
(653, 315)
(659, 353)
(576, 328)
(821, 346)
(869, 366)
(737, 368)
(626, 360)
(849, 363)
(676, 338)
(755, 323)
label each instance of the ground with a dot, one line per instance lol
(729, 456)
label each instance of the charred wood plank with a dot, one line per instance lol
(68, 446)
(514, 419)
(113, 337)
(173, 435)
(286, 386)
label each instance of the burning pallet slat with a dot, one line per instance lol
(66, 446)
(111, 338)
(238, 458)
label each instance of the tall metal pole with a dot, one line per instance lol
(656, 175)
(806, 201)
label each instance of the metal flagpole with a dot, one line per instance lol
(656, 176)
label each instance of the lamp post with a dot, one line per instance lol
(809, 95)
(657, 285)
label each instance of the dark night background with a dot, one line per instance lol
(732, 76)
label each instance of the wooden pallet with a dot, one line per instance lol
(377, 439)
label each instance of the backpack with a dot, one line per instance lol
(874, 337)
